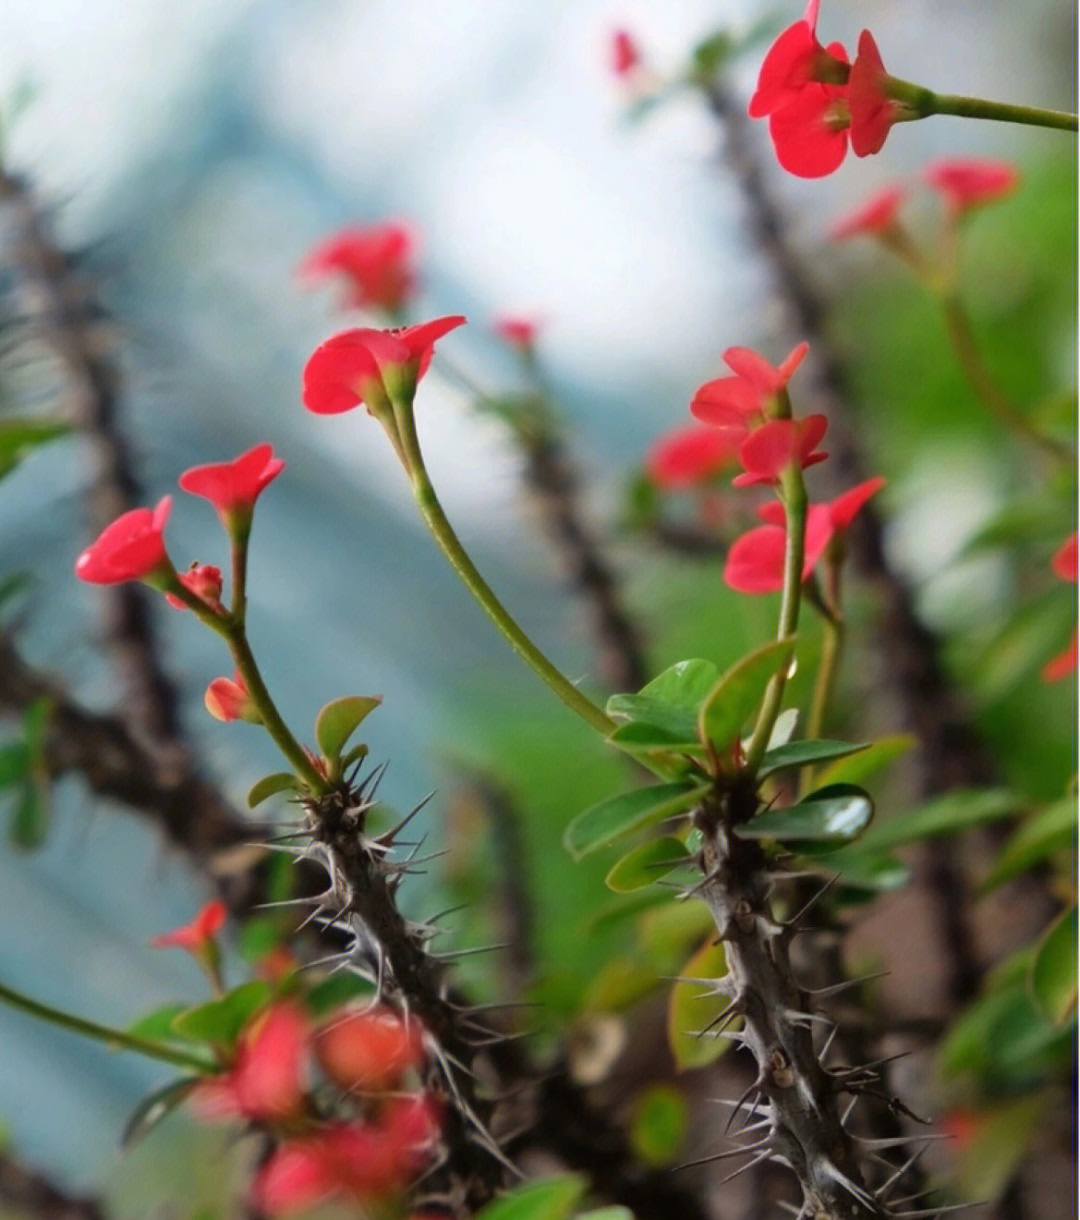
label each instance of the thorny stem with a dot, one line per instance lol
(116, 1038)
(924, 102)
(444, 535)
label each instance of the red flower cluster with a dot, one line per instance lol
(374, 261)
(875, 218)
(816, 104)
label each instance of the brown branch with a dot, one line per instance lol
(36, 1196)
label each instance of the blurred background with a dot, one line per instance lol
(189, 155)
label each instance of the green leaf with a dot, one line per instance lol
(18, 437)
(646, 863)
(862, 874)
(158, 1025)
(711, 54)
(693, 1006)
(14, 763)
(947, 814)
(735, 697)
(800, 753)
(221, 1020)
(869, 761)
(837, 814)
(628, 811)
(279, 781)
(671, 700)
(335, 991)
(658, 1126)
(151, 1110)
(638, 737)
(548, 1199)
(1053, 972)
(1050, 831)
(30, 822)
(339, 719)
(615, 1212)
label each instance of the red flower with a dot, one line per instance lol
(968, 184)
(876, 216)
(233, 487)
(755, 562)
(691, 455)
(796, 59)
(625, 53)
(266, 1080)
(368, 1051)
(872, 111)
(374, 261)
(1064, 560)
(769, 450)
(202, 579)
(370, 366)
(1064, 567)
(515, 332)
(132, 548)
(730, 402)
(810, 131)
(349, 1163)
(227, 699)
(195, 936)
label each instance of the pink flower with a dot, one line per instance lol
(967, 183)
(202, 579)
(625, 53)
(370, 366)
(131, 548)
(872, 111)
(233, 487)
(374, 261)
(368, 1051)
(755, 562)
(769, 450)
(691, 455)
(197, 935)
(229, 699)
(349, 1162)
(733, 401)
(515, 332)
(875, 217)
(266, 1081)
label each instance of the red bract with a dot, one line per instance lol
(769, 450)
(794, 61)
(370, 366)
(967, 184)
(233, 487)
(755, 562)
(228, 699)
(202, 579)
(132, 548)
(625, 53)
(1064, 560)
(1060, 667)
(872, 111)
(368, 1051)
(266, 1081)
(691, 455)
(731, 402)
(349, 1163)
(375, 262)
(809, 130)
(196, 935)
(515, 332)
(876, 216)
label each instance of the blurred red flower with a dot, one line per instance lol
(732, 402)
(516, 332)
(1064, 567)
(767, 451)
(368, 1051)
(1064, 560)
(196, 935)
(691, 455)
(625, 53)
(374, 261)
(131, 548)
(877, 215)
(967, 183)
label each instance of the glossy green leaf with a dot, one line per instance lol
(628, 811)
(947, 814)
(868, 762)
(269, 785)
(221, 1020)
(838, 813)
(1053, 972)
(736, 696)
(693, 1006)
(637, 737)
(1050, 831)
(801, 753)
(548, 1199)
(151, 1110)
(646, 863)
(339, 719)
(671, 700)
(658, 1125)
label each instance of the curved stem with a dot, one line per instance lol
(116, 1038)
(440, 527)
(925, 102)
(793, 493)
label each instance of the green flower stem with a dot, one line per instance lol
(444, 535)
(962, 338)
(924, 102)
(115, 1038)
(793, 494)
(271, 717)
(238, 546)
